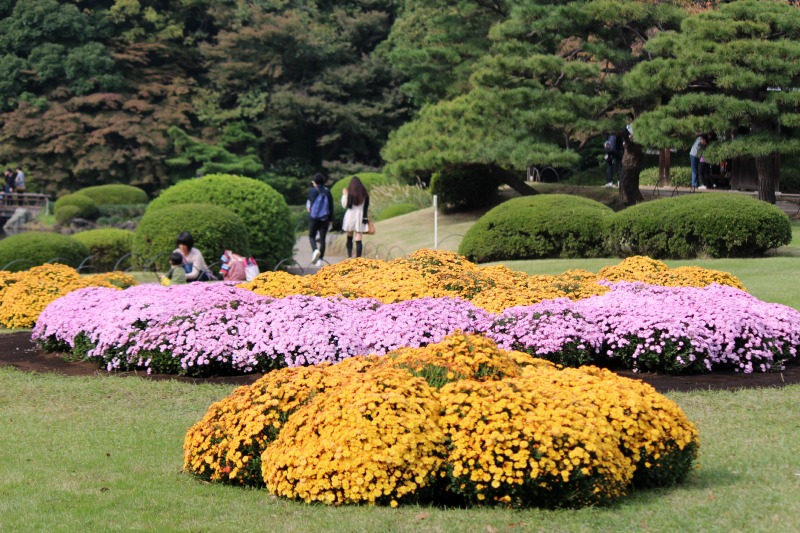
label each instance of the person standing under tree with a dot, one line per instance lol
(694, 158)
(614, 151)
(19, 184)
(320, 214)
(355, 199)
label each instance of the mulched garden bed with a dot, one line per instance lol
(17, 350)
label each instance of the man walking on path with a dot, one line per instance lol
(320, 214)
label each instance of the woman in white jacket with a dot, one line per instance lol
(355, 199)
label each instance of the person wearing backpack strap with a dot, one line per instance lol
(320, 215)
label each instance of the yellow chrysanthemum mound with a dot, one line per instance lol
(375, 440)
(24, 295)
(436, 273)
(226, 445)
(653, 272)
(460, 356)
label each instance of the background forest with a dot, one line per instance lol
(150, 92)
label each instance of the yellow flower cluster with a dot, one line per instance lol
(374, 440)
(24, 295)
(495, 426)
(655, 272)
(226, 445)
(435, 273)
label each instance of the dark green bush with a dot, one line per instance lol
(396, 210)
(263, 210)
(678, 176)
(214, 229)
(65, 215)
(464, 188)
(36, 248)
(369, 179)
(107, 246)
(534, 227)
(86, 206)
(692, 225)
(115, 194)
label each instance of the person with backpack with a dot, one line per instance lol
(614, 150)
(355, 199)
(320, 215)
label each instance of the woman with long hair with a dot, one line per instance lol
(355, 199)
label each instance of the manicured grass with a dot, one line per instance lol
(105, 453)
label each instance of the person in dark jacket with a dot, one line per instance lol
(320, 214)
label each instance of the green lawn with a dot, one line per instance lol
(105, 453)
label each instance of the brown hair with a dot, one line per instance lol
(356, 192)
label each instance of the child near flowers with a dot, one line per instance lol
(176, 274)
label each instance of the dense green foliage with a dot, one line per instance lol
(86, 207)
(464, 187)
(553, 225)
(115, 194)
(264, 212)
(66, 214)
(35, 248)
(106, 246)
(697, 225)
(214, 229)
(395, 210)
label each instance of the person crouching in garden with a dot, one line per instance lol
(192, 256)
(177, 273)
(355, 199)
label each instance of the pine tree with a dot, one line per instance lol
(736, 72)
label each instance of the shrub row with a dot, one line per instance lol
(86, 202)
(714, 225)
(459, 422)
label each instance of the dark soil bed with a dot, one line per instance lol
(17, 350)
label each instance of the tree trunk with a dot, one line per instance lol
(632, 159)
(513, 181)
(766, 179)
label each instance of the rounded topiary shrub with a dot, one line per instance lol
(396, 210)
(115, 194)
(65, 215)
(87, 208)
(36, 248)
(267, 219)
(107, 246)
(692, 225)
(533, 227)
(214, 229)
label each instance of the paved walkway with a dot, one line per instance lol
(302, 254)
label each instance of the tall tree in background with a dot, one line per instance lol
(304, 79)
(549, 86)
(736, 70)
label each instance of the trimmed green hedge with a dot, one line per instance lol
(534, 227)
(66, 213)
(87, 208)
(214, 229)
(37, 248)
(263, 211)
(115, 194)
(678, 176)
(396, 210)
(703, 224)
(107, 246)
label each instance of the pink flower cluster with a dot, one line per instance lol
(217, 328)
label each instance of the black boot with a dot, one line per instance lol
(349, 247)
(359, 248)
